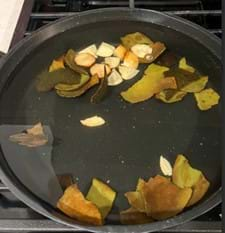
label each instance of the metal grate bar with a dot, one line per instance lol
(215, 31)
(55, 15)
(196, 12)
(197, 227)
(146, 3)
(3, 187)
(131, 4)
(44, 225)
(180, 13)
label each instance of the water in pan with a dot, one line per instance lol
(129, 145)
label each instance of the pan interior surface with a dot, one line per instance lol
(129, 145)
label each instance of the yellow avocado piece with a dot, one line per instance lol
(206, 99)
(196, 86)
(147, 86)
(71, 87)
(56, 65)
(164, 199)
(170, 96)
(132, 39)
(73, 204)
(199, 190)
(140, 185)
(94, 80)
(156, 69)
(132, 216)
(183, 65)
(184, 176)
(136, 200)
(102, 196)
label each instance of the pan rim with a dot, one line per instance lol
(35, 203)
(105, 10)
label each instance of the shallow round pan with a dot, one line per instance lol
(134, 137)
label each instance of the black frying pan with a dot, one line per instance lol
(130, 144)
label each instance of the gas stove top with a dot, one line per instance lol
(16, 216)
